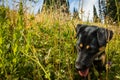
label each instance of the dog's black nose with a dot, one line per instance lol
(80, 66)
(77, 65)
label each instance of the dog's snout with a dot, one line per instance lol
(77, 65)
(80, 65)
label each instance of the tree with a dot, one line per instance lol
(113, 9)
(102, 10)
(55, 2)
(96, 18)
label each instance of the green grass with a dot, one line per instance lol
(43, 47)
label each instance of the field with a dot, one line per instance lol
(42, 47)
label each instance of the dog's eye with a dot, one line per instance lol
(81, 45)
(87, 47)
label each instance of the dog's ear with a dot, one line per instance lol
(103, 36)
(78, 27)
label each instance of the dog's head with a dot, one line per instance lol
(90, 40)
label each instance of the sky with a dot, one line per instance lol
(30, 6)
(86, 6)
(33, 6)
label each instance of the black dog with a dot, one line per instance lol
(90, 44)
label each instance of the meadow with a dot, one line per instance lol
(42, 47)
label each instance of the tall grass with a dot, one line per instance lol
(117, 2)
(42, 47)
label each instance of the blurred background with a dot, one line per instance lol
(86, 10)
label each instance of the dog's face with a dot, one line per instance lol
(90, 39)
